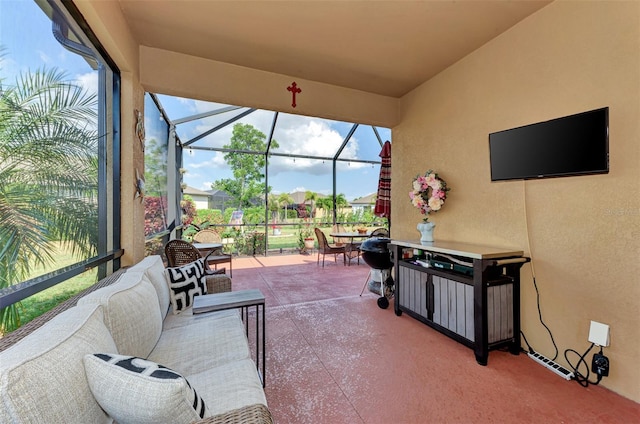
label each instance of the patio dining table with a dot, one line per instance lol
(351, 246)
(205, 248)
(351, 236)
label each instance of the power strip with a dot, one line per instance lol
(553, 366)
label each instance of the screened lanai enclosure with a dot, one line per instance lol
(261, 179)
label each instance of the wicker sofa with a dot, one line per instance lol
(67, 365)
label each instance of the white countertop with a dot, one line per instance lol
(468, 250)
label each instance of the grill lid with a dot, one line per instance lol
(376, 245)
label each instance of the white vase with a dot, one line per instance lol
(426, 231)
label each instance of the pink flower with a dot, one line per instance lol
(429, 193)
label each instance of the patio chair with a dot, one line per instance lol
(352, 250)
(180, 252)
(217, 255)
(379, 232)
(340, 241)
(325, 248)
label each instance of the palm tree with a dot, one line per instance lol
(326, 204)
(341, 201)
(48, 175)
(285, 200)
(312, 197)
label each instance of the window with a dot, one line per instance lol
(155, 169)
(59, 153)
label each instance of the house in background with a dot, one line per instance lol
(363, 203)
(219, 199)
(202, 199)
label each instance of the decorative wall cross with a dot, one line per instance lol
(293, 88)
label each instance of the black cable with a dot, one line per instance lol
(533, 273)
(582, 380)
(535, 285)
(527, 342)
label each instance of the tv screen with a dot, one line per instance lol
(572, 145)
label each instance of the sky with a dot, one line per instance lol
(28, 44)
(295, 134)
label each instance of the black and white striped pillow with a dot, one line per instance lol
(186, 282)
(134, 390)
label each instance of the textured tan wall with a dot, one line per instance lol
(584, 231)
(197, 78)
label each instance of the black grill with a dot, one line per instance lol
(375, 252)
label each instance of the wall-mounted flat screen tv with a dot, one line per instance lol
(572, 145)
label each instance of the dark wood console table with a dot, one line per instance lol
(477, 303)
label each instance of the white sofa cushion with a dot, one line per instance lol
(131, 313)
(138, 391)
(230, 386)
(153, 268)
(204, 343)
(42, 377)
(187, 317)
(185, 282)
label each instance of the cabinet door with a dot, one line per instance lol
(413, 291)
(453, 306)
(500, 312)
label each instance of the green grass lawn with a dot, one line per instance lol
(42, 302)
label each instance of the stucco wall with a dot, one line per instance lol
(584, 232)
(197, 78)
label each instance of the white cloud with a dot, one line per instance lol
(44, 57)
(88, 82)
(298, 135)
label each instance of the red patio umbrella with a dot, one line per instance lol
(383, 199)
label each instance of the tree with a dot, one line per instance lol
(247, 183)
(341, 201)
(48, 175)
(274, 206)
(326, 204)
(155, 183)
(285, 199)
(312, 197)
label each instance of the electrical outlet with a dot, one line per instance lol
(600, 364)
(599, 334)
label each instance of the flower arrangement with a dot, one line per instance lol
(429, 193)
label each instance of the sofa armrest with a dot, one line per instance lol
(256, 413)
(218, 283)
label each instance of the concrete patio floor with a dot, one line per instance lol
(333, 356)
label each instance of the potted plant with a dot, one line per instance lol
(305, 239)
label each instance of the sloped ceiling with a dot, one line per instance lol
(381, 47)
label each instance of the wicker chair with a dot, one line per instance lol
(379, 232)
(340, 241)
(217, 256)
(325, 248)
(352, 250)
(180, 252)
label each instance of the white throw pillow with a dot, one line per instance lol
(134, 390)
(186, 282)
